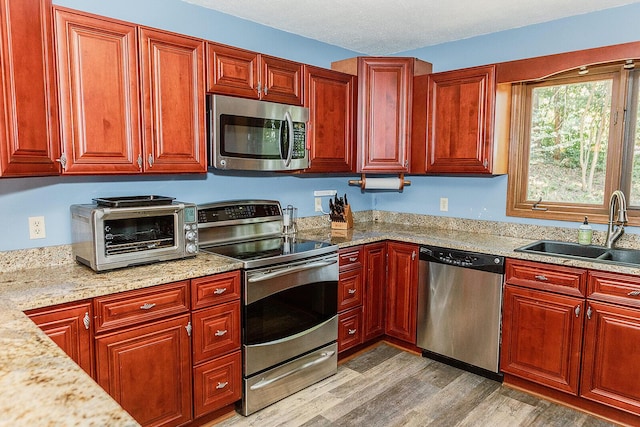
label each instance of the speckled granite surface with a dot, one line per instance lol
(40, 385)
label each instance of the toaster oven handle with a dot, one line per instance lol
(289, 120)
(285, 271)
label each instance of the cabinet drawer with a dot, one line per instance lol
(132, 307)
(217, 383)
(615, 288)
(350, 289)
(210, 290)
(216, 331)
(350, 258)
(546, 277)
(349, 329)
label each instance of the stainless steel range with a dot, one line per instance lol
(290, 285)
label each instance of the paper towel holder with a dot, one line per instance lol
(362, 183)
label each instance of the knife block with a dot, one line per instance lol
(346, 220)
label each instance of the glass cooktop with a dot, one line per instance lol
(274, 250)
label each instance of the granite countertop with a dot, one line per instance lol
(40, 385)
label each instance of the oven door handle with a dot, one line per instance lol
(324, 356)
(291, 270)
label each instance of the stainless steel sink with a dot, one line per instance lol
(583, 252)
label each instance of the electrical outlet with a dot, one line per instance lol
(36, 227)
(444, 204)
(318, 204)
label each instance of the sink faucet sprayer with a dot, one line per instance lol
(621, 220)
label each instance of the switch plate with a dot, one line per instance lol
(36, 227)
(320, 193)
(318, 204)
(444, 204)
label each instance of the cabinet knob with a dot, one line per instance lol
(633, 293)
(86, 320)
(150, 160)
(353, 259)
(352, 331)
(577, 311)
(222, 385)
(220, 291)
(351, 291)
(220, 333)
(147, 306)
(541, 278)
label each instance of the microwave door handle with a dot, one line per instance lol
(289, 120)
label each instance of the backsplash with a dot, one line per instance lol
(22, 259)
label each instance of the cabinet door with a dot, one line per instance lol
(350, 289)
(217, 383)
(331, 99)
(216, 331)
(99, 93)
(384, 119)
(542, 337)
(69, 326)
(373, 308)
(281, 80)
(402, 291)
(612, 356)
(460, 111)
(173, 102)
(232, 71)
(30, 143)
(147, 370)
(349, 329)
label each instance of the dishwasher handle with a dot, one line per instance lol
(464, 259)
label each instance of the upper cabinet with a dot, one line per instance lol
(467, 123)
(331, 98)
(239, 72)
(28, 109)
(385, 87)
(104, 129)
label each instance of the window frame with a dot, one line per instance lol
(517, 202)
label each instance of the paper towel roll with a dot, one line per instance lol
(383, 184)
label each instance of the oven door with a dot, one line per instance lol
(289, 310)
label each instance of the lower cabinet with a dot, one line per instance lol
(587, 347)
(402, 291)
(69, 326)
(147, 370)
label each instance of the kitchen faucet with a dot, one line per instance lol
(621, 220)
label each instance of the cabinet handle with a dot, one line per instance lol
(351, 291)
(589, 312)
(147, 306)
(259, 88)
(352, 331)
(150, 160)
(413, 255)
(139, 161)
(86, 320)
(541, 278)
(222, 385)
(577, 311)
(63, 161)
(189, 328)
(633, 293)
(220, 291)
(353, 259)
(220, 333)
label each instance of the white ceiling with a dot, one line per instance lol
(383, 27)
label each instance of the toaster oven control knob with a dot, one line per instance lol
(190, 235)
(192, 248)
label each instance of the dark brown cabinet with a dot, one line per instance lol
(30, 144)
(102, 85)
(402, 291)
(385, 86)
(331, 97)
(239, 72)
(70, 327)
(463, 135)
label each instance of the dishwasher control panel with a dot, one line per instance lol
(465, 259)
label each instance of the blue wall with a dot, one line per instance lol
(482, 198)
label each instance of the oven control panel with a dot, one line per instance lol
(240, 210)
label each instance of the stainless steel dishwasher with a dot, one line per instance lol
(459, 308)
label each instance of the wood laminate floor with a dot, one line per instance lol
(386, 386)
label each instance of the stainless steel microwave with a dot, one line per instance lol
(106, 237)
(247, 134)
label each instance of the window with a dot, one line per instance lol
(574, 140)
